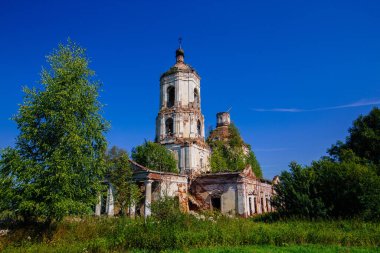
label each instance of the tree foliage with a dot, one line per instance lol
(233, 154)
(346, 184)
(58, 161)
(155, 156)
(120, 174)
(363, 139)
(296, 194)
(328, 189)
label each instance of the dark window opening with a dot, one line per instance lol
(192, 206)
(103, 206)
(199, 128)
(262, 205)
(169, 126)
(170, 96)
(196, 97)
(216, 204)
(255, 204)
(250, 206)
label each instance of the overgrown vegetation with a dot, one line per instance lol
(155, 156)
(232, 154)
(103, 235)
(345, 184)
(167, 210)
(58, 163)
(120, 175)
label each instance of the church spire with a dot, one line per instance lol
(180, 42)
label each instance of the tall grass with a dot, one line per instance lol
(186, 232)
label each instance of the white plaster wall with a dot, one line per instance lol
(189, 157)
(169, 185)
(184, 84)
(185, 123)
(187, 82)
(228, 200)
(199, 153)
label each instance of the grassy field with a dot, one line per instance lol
(278, 249)
(236, 249)
(187, 234)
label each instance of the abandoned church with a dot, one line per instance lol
(180, 128)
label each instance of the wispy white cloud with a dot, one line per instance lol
(360, 103)
(278, 110)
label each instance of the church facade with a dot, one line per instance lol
(180, 128)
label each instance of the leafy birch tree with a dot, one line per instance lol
(57, 164)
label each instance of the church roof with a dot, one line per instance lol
(180, 65)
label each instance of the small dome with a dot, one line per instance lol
(180, 55)
(179, 52)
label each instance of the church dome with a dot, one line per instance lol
(179, 52)
(180, 65)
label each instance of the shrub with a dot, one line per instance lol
(166, 210)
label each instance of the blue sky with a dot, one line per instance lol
(296, 73)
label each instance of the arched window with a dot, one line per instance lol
(169, 126)
(170, 96)
(196, 97)
(199, 128)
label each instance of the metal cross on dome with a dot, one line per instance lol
(180, 42)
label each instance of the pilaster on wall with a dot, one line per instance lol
(241, 200)
(148, 198)
(98, 207)
(110, 201)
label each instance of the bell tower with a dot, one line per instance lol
(180, 123)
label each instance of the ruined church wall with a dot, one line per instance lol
(244, 196)
(258, 198)
(205, 189)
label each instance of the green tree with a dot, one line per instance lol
(155, 156)
(127, 192)
(329, 188)
(297, 195)
(343, 186)
(363, 139)
(58, 161)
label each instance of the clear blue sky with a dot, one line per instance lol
(296, 73)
